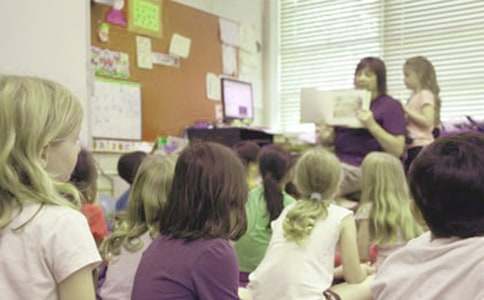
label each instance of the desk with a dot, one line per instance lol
(229, 136)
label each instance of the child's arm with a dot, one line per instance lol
(364, 239)
(78, 286)
(424, 119)
(352, 271)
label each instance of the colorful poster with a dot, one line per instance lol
(110, 63)
(145, 17)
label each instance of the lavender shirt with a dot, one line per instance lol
(353, 144)
(176, 269)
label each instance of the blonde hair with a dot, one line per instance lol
(150, 190)
(317, 176)
(384, 185)
(428, 80)
(34, 112)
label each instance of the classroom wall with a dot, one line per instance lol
(48, 39)
(248, 12)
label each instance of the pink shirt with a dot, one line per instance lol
(421, 136)
(445, 268)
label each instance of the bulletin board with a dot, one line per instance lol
(172, 98)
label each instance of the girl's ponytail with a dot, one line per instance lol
(273, 196)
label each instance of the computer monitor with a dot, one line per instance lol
(237, 100)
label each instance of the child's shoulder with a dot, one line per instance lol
(48, 215)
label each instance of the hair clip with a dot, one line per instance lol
(316, 196)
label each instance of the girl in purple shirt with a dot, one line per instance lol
(192, 258)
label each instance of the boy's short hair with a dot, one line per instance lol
(128, 165)
(447, 183)
(248, 151)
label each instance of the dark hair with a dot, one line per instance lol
(377, 66)
(274, 163)
(247, 151)
(84, 176)
(447, 182)
(208, 195)
(128, 165)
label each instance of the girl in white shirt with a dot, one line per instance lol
(299, 262)
(124, 248)
(384, 216)
(47, 250)
(423, 108)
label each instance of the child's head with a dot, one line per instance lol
(208, 195)
(318, 175)
(370, 74)
(40, 122)
(247, 151)
(419, 74)
(128, 165)
(84, 176)
(383, 183)
(147, 198)
(274, 165)
(318, 172)
(447, 182)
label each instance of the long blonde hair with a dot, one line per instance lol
(384, 185)
(317, 177)
(150, 190)
(428, 80)
(34, 112)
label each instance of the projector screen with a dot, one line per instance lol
(237, 100)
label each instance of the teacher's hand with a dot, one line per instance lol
(366, 118)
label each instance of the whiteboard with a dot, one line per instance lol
(116, 109)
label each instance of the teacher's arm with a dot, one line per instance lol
(393, 144)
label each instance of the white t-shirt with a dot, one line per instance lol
(290, 271)
(427, 269)
(37, 257)
(120, 273)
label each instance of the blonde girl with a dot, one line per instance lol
(123, 249)
(46, 248)
(423, 107)
(299, 262)
(384, 216)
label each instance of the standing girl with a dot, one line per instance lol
(265, 204)
(384, 216)
(423, 108)
(47, 251)
(192, 258)
(123, 249)
(299, 262)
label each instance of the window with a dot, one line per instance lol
(320, 43)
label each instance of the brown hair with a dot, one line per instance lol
(84, 176)
(377, 66)
(208, 195)
(428, 80)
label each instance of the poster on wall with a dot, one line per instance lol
(145, 17)
(110, 63)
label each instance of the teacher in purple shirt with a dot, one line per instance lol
(384, 125)
(192, 258)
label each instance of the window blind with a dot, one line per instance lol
(322, 41)
(320, 44)
(451, 35)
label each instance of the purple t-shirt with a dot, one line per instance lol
(177, 269)
(353, 144)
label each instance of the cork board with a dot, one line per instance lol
(172, 98)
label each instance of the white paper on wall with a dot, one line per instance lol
(213, 87)
(180, 46)
(229, 60)
(143, 52)
(229, 32)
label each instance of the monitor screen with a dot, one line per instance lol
(237, 100)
